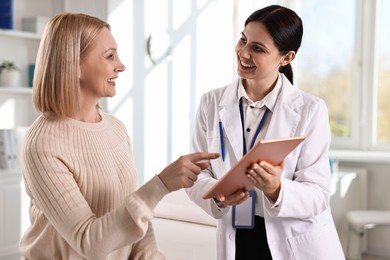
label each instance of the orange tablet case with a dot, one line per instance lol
(272, 151)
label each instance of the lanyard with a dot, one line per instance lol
(257, 130)
(243, 215)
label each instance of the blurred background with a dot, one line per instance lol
(175, 50)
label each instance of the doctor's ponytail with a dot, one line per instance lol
(287, 71)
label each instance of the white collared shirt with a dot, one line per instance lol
(254, 111)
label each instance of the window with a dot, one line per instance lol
(345, 59)
(324, 64)
(383, 74)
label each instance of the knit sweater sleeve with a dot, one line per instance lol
(82, 181)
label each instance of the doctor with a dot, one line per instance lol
(291, 214)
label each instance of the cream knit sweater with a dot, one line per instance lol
(81, 179)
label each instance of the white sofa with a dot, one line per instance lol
(183, 230)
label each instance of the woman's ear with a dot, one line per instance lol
(287, 58)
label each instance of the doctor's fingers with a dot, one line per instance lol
(236, 198)
(260, 177)
(239, 200)
(274, 170)
(267, 170)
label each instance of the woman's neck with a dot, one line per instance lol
(257, 90)
(90, 115)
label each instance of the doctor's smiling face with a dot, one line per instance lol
(258, 57)
(100, 67)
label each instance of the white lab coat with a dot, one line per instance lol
(301, 226)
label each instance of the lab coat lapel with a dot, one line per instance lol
(229, 114)
(285, 118)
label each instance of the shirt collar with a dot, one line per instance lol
(269, 100)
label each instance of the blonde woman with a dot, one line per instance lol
(77, 160)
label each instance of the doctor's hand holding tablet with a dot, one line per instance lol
(261, 167)
(266, 177)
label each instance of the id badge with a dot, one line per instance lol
(244, 214)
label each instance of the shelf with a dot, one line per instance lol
(15, 90)
(9, 175)
(9, 171)
(20, 34)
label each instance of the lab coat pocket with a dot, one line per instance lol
(320, 243)
(214, 145)
(213, 141)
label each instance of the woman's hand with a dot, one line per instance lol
(266, 177)
(183, 172)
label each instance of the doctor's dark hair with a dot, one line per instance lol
(285, 27)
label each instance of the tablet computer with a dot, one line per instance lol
(272, 151)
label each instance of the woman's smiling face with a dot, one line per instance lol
(100, 68)
(257, 56)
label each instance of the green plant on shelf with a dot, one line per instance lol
(9, 74)
(8, 65)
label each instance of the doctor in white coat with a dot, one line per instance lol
(293, 198)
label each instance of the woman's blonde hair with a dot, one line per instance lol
(67, 39)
